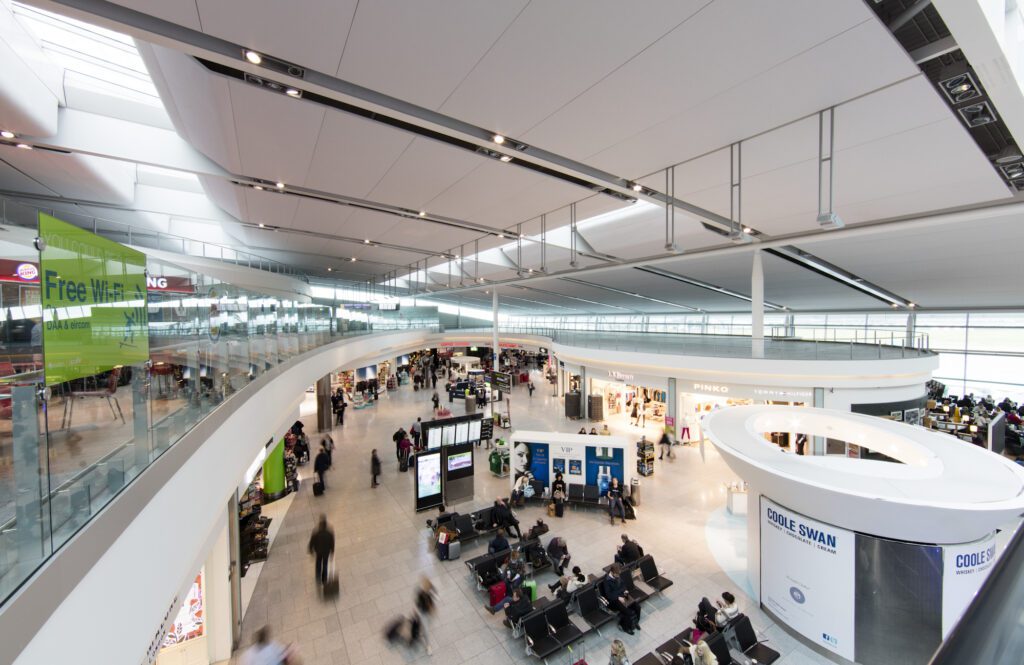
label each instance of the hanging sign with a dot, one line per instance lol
(93, 293)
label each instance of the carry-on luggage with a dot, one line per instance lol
(496, 593)
(318, 488)
(442, 550)
(454, 550)
(332, 588)
(403, 465)
(531, 586)
(559, 508)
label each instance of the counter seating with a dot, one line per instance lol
(591, 608)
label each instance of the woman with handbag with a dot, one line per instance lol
(558, 494)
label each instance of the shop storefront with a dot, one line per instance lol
(628, 398)
(698, 398)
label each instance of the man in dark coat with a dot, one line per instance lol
(321, 543)
(374, 467)
(321, 464)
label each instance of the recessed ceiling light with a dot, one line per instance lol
(353, 259)
(748, 230)
(498, 138)
(24, 146)
(506, 158)
(911, 305)
(894, 305)
(253, 57)
(259, 187)
(529, 270)
(330, 269)
(7, 134)
(423, 213)
(366, 242)
(292, 92)
(262, 225)
(637, 187)
(279, 185)
(501, 235)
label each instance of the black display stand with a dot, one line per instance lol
(645, 458)
(595, 407)
(572, 405)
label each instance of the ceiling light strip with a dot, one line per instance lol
(837, 274)
(627, 293)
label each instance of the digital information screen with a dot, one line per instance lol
(448, 435)
(434, 438)
(462, 433)
(474, 430)
(460, 461)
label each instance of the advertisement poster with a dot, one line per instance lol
(189, 622)
(93, 293)
(602, 465)
(807, 576)
(532, 457)
(428, 480)
(568, 458)
(964, 568)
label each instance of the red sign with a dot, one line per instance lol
(22, 272)
(169, 284)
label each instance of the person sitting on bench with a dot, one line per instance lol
(569, 584)
(558, 553)
(517, 608)
(514, 570)
(499, 543)
(629, 551)
(503, 517)
(618, 599)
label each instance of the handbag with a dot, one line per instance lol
(551, 510)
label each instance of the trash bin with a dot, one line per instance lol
(634, 491)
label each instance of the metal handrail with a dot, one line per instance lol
(127, 234)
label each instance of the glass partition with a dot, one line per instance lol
(69, 442)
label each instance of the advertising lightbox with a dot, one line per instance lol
(428, 480)
(965, 567)
(807, 576)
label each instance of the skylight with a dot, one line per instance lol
(102, 55)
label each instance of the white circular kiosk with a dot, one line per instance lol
(872, 561)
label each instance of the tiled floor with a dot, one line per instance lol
(383, 550)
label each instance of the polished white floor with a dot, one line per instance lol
(383, 551)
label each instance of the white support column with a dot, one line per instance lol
(494, 331)
(757, 306)
(218, 597)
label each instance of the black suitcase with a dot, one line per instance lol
(559, 508)
(403, 466)
(318, 488)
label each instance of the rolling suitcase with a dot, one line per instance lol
(559, 508)
(454, 550)
(403, 466)
(318, 488)
(531, 586)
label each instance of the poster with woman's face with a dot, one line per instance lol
(520, 458)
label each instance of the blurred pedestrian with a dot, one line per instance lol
(321, 543)
(374, 467)
(266, 651)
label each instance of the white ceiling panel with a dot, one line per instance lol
(182, 12)
(230, 198)
(324, 217)
(423, 171)
(667, 289)
(310, 33)
(13, 180)
(420, 51)
(939, 266)
(553, 52)
(855, 62)
(197, 101)
(353, 154)
(425, 235)
(276, 134)
(269, 208)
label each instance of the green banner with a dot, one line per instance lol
(94, 302)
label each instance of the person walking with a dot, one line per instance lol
(374, 467)
(433, 379)
(416, 430)
(328, 444)
(436, 400)
(635, 413)
(404, 449)
(397, 438)
(320, 466)
(666, 445)
(266, 651)
(530, 387)
(321, 543)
